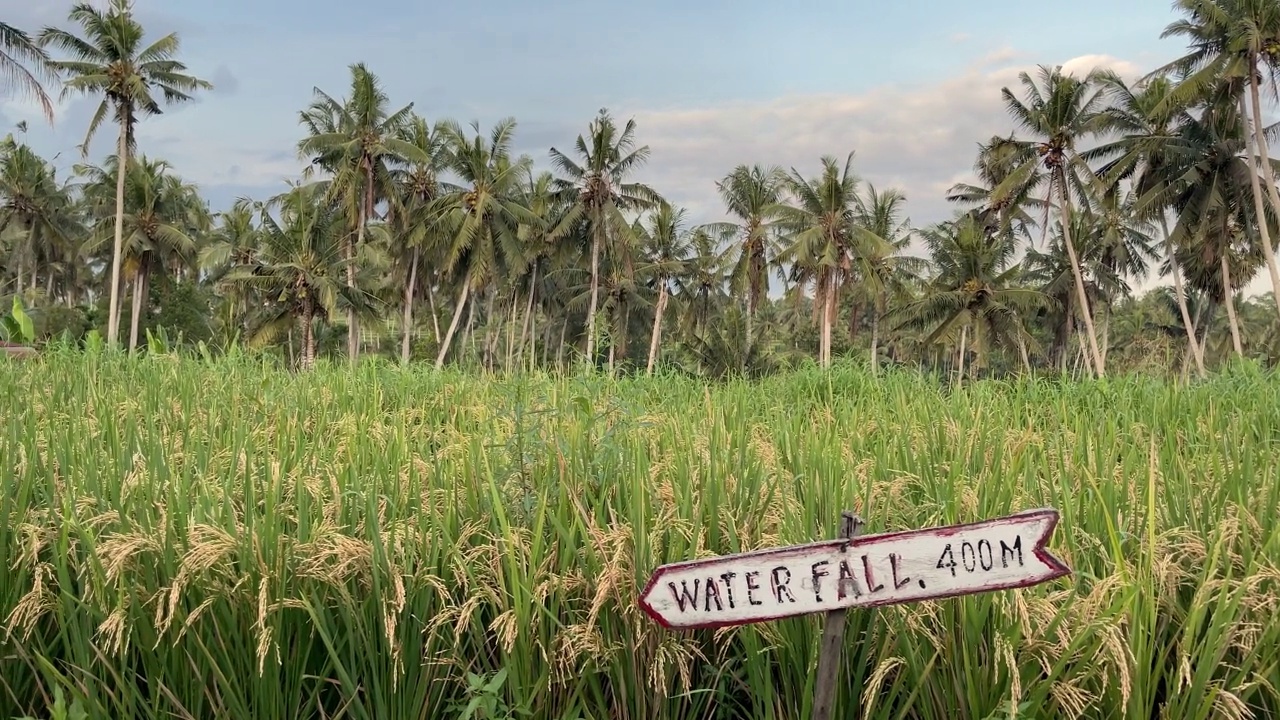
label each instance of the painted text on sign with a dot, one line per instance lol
(867, 571)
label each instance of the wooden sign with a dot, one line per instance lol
(858, 572)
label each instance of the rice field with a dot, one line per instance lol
(188, 538)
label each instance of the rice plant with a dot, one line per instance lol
(220, 538)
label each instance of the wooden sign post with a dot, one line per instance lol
(853, 572)
(824, 689)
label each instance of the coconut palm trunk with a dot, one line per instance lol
(656, 336)
(832, 295)
(117, 248)
(526, 325)
(1229, 297)
(349, 254)
(308, 338)
(595, 293)
(362, 217)
(564, 331)
(619, 339)
(511, 331)
(490, 329)
(1064, 351)
(753, 296)
(875, 342)
(533, 341)
(1197, 353)
(435, 317)
(825, 297)
(1081, 297)
(1258, 138)
(1106, 332)
(140, 278)
(453, 324)
(468, 330)
(407, 322)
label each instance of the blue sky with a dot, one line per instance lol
(910, 87)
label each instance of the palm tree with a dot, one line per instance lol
(1050, 271)
(1148, 121)
(161, 215)
(232, 243)
(826, 241)
(1004, 196)
(17, 51)
(356, 139)
(1230, 43)
(886, 272)
(598, 192)
(111, 60)
(975, 291)
(1125, 247)
(1064, 112)
(33, 204)
(752, 195)
(298, 268)
(416, 219)
(535, 249)
(484, 214)
(667, 246)
(621, 293)
(1207, 183)
(702, 286)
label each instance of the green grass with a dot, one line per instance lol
(197, 539)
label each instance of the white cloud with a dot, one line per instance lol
(1086, 63)
(920, 138)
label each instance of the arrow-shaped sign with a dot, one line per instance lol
(867, 571)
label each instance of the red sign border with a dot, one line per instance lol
(1057, 567)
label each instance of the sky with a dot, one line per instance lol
(910, 88)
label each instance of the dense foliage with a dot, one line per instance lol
(427, 240)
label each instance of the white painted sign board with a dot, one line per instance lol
(866, 571)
